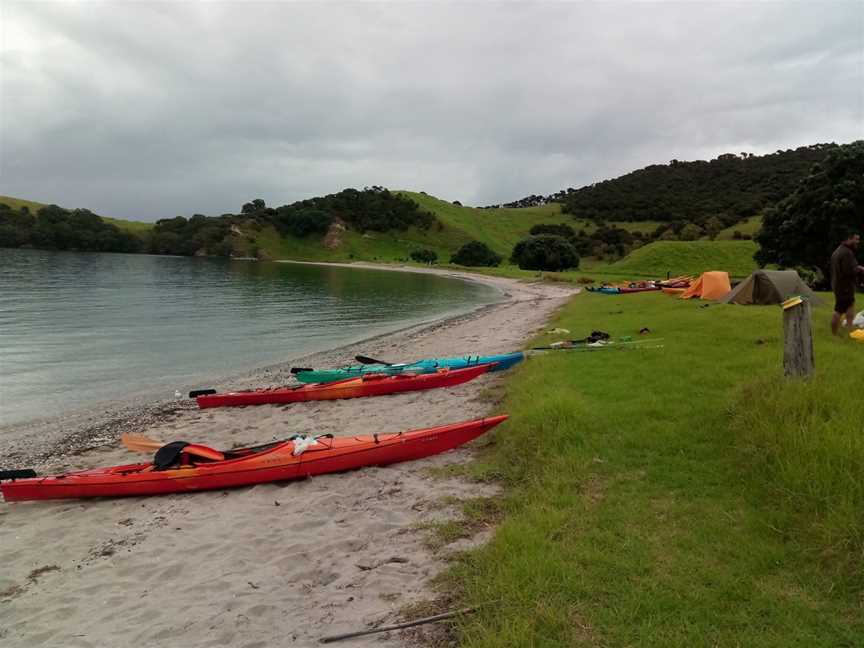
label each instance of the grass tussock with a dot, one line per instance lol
(673, 496)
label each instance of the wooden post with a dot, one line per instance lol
(798, 360)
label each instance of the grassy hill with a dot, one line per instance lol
(748, 226)
(135, 227)
(685, 257)
(500, 229)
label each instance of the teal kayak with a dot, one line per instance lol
(430, 365)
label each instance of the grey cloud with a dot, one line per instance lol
(150, 110)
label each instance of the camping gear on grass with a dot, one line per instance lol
(626, 288)
(676, 292)
(606, 290)
(673, 283)
(176, 470)
(770, 287)
(857, 335)
(682, 281)
(710, 285)
(637, 289)
(430, 365)
(368, 385)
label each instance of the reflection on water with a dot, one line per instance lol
(79, 328)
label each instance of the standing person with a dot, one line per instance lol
(844, 274)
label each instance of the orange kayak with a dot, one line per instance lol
(367, 385)
(195, 468)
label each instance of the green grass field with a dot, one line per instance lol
(680, 496)
(136, 227)
(500, 229)
(685, 257)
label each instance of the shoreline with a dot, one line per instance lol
(98, 424)
(271, 564)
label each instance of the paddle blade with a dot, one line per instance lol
(366, 360)
(24, 473)
(204, 451)
(195, 393)
(139, 443)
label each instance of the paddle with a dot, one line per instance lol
(24, 473)
(139, 443)
(366, 360)
(591, 349)
(201, 392)
(296, 370)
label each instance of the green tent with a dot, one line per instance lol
(770, 287)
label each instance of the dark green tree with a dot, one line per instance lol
(476, 253)
(304, 221)
(424, 256)
(545, 252)
(806, 227)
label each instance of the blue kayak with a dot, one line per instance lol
(430, 365)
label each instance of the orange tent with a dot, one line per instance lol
(711, 285)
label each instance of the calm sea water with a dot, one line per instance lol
(78, 329)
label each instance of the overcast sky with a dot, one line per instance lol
(149, 110)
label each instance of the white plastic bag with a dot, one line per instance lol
(301, 443)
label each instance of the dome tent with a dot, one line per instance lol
(710, 285)
(770, 287)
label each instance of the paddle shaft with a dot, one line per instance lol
(367, 360)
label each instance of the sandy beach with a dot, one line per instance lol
(269, 565)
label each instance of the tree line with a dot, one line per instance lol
(803, 229)
(731, 187)
(56, 228)
(52, 227)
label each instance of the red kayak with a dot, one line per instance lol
(367, 385)
(179, 467)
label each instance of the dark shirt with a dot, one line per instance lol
(844, 267)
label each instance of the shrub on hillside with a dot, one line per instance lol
(558, 229)
(545, 252)
(372, 209)
(713, 226)
(424, 256)
(476, 253)
(305, 221)
(611, 242)
(691, 232)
